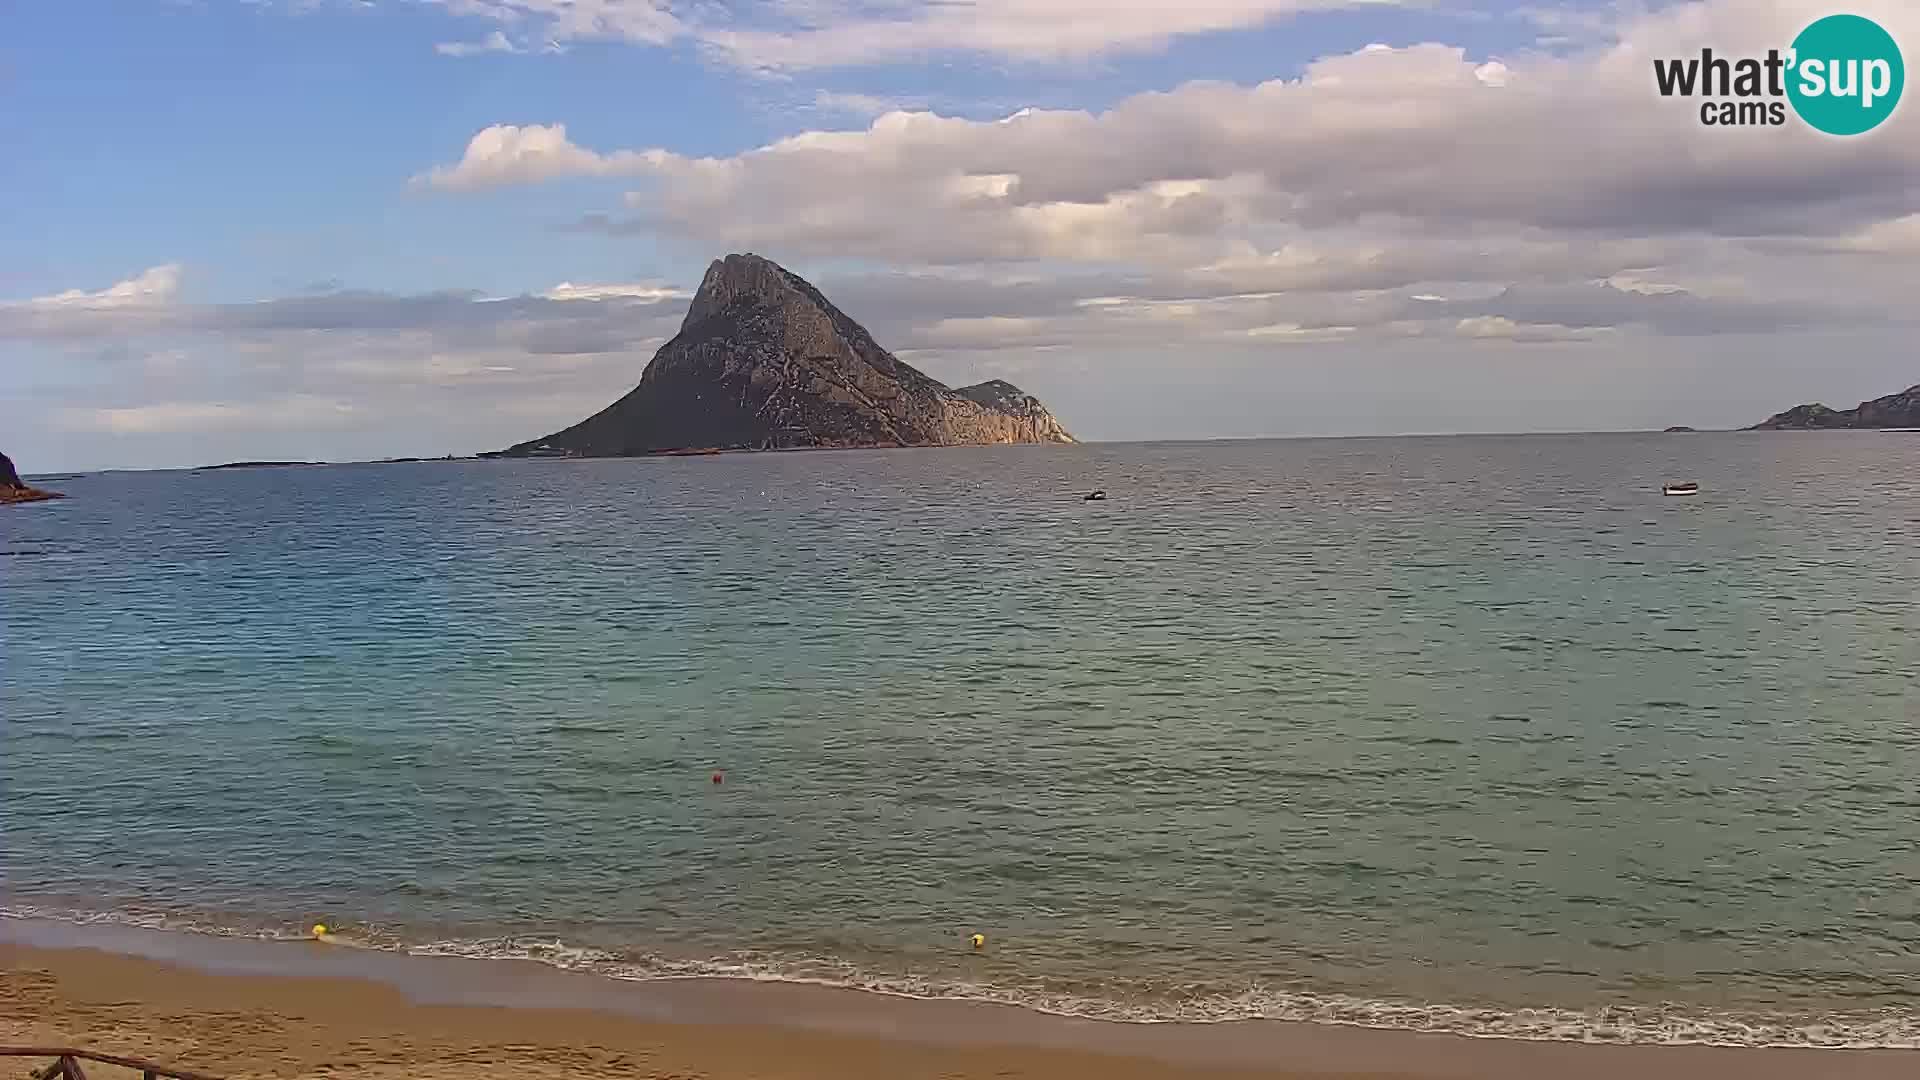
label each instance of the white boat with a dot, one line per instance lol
(1684, 487)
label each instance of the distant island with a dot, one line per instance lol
(1680, 427)
(1901, 410)
(318, 464)
(256, 465)
(15, 490)
(764, 362)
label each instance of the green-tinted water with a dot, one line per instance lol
(1427, 732)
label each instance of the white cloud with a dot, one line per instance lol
(303, 412)
(1421, 204)
(495, 42)
(638, 290)
(150, 288)
(1294, 332)
(804, 34)
(643, 22)
(866, 105)
(1370, 162)
(508, 154)
(149, 304)
(1385, 195)
(1900, 237)
(1501, 328)
(290, 377)
(1637, 281)
(143, 302)
(1031, 30)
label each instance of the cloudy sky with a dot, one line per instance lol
(359, 228)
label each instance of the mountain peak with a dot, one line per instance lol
(746, 275)
(764, 361)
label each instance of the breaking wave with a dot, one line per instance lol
(1670, 1025)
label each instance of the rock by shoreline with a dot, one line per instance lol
(15, 490)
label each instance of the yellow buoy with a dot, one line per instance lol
(319, 930)
(979, 941)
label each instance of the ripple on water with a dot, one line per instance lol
(1590, 761)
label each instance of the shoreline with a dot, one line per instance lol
(311, 1006)
(1644, 1023)
(497, 456)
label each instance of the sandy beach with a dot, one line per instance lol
(243, 1008)
(249, 1026)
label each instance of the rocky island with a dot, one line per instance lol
(15, 490)
(1901, 410)
(764, 362)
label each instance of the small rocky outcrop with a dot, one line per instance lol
(1678, 428)
(1901, 410)
(15, 490)
(764, 362)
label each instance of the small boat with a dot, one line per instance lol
(1684, 487)
(1095, 496)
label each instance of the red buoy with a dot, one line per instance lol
(717, 777)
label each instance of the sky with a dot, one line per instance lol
(351, 229)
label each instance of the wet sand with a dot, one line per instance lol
(243, 1008)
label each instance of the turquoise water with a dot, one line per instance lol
(1473, 734)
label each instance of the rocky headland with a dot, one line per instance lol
(763, 361)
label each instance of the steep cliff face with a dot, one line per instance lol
(763, 361)
(1899, 410)
(995, 403)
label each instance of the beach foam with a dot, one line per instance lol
(1666, 1025)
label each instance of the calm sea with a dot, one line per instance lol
(1476, 734)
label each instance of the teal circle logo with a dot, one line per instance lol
(1847, 75)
